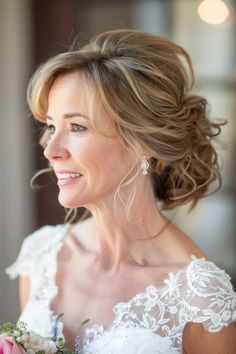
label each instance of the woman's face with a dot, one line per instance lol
(88, 166)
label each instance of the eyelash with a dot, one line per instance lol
(75, 128)
(78, 128)
(50, 129)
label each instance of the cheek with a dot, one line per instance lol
(106, 161)
(101, 159)
(115, 163)
(115, 155)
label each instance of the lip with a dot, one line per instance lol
(69, 180)
(66, 171)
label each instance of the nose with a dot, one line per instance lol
(56, 149)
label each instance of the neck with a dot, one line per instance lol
(121, 237)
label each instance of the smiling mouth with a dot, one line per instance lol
(64, 176)
(64, 179)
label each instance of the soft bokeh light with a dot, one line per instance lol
(213, 11)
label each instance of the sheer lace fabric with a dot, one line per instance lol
(151, 322)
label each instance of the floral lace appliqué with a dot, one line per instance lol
(200, 293)
(151, 322)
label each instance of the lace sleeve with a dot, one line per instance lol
(32, 248)
(209, 298)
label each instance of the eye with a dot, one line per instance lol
(50, 129)
(77, 128)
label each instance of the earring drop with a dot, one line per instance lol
(145, 165)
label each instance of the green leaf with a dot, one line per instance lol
(84, 322)
(59, 316)
(7, 327)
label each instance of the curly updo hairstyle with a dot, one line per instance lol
(144, 83)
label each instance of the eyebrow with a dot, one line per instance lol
(70, 115)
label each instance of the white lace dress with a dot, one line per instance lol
(151, 322)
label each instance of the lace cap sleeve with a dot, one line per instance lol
(33, 246)
(210, 298)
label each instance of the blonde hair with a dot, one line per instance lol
(144, 83)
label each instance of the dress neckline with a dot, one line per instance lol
(96, 329)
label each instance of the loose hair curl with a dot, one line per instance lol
(144, 82)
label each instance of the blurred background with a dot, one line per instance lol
(33, 30)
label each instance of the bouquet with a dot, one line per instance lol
(16, 339)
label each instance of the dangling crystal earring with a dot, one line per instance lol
(144, 165)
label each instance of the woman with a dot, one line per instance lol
(126, 139)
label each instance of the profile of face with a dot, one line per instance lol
(88, 165)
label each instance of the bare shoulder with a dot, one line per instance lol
(176, 247)
(24, 291)
(219, 342)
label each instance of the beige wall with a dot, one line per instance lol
(16, 208)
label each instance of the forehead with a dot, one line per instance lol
(71, 93)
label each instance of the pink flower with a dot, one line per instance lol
(8, 345)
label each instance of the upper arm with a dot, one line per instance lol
(208, 307)
(197, 340)
(24, 291)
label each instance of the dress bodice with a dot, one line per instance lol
(151, 322)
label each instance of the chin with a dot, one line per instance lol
(68, 202)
